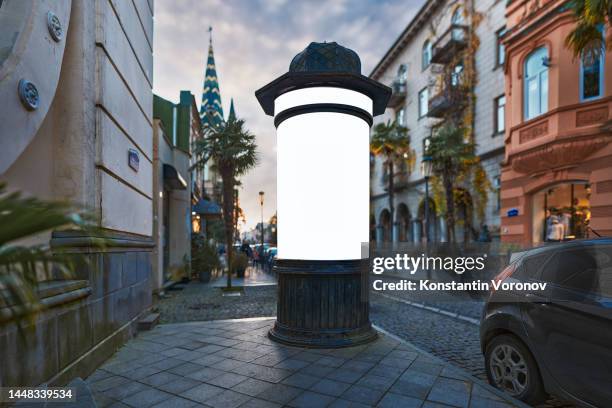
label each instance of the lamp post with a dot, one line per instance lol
(261, 202)
(426, 165)
(323, 110)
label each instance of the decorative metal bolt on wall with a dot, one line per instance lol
(55, 26)
(28, 94)
(323, 110)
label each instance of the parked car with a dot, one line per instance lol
(557, 340)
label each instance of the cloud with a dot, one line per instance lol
(254, 42)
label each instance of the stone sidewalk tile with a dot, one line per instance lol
(233, 364)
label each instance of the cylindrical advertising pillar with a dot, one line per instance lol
(323, 109)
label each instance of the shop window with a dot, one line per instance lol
(423, 102)
(561, 212)
(536, 83)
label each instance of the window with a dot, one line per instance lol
(500, 50)
(500, 114)
(426, 143)
(574, 269)
(426, 55)
(497, 187)
(402, 73)
(536, 83)
(591, 76)
(457, 74)
(457, 20)
(400, 116)
(423, 102)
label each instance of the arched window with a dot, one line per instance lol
(536, 83)
(426, 55)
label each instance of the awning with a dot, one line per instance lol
(173, 179)
(207, 209)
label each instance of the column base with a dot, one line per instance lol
(323, 304)
(322, 338)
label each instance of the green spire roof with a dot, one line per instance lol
(211, 95)
(232, 112)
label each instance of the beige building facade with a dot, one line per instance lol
(442, 33)
(80, 129)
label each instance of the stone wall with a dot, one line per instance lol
(101, 110)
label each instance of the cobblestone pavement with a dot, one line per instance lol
(199, 301)
(449, 338)
(229, 364)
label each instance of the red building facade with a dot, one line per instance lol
(558, 157)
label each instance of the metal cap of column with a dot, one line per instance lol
(323, 110)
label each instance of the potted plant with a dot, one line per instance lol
(239, 264)
(204, 259)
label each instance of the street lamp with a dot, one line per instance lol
(426, 167)
(323, 109)
(261, 202)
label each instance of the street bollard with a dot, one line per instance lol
(323, 110)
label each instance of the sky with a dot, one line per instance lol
(254, 42)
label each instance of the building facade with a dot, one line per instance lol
(558, 159)
(80, 130)
(175, 128)
(448, 43)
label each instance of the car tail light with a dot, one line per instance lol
(505, 273)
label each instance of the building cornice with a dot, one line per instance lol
(402, 40)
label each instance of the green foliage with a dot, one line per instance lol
(233, 152)
(451, 157)
(239, 262)
(204, 257)
(586, 38)
(22, 265)
(392, 141)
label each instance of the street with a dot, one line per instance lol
(453, 339)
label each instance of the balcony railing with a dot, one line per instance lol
(451, 42)
(451, 98)
(398, 96)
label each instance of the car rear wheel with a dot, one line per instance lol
(511, 368)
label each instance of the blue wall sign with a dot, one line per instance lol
(513, 212)
(133, 159)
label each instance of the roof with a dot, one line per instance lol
(415, 24)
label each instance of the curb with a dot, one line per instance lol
(446, 313)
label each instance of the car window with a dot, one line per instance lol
(603, 258)
(575, 269)
(530, 267)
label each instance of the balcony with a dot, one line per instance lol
(450, 99)
(398, 96)
(450, 43)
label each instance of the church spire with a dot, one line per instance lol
(232, 112)
(211, 111)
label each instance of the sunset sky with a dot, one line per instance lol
(254, 41)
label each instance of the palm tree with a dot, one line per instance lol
(391, 141)
(233, 152)
(450, 154)
(586, 38)
(21, 264)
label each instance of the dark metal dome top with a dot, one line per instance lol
(326, 57)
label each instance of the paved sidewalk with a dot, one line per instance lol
(253, 276)
(229, 364)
